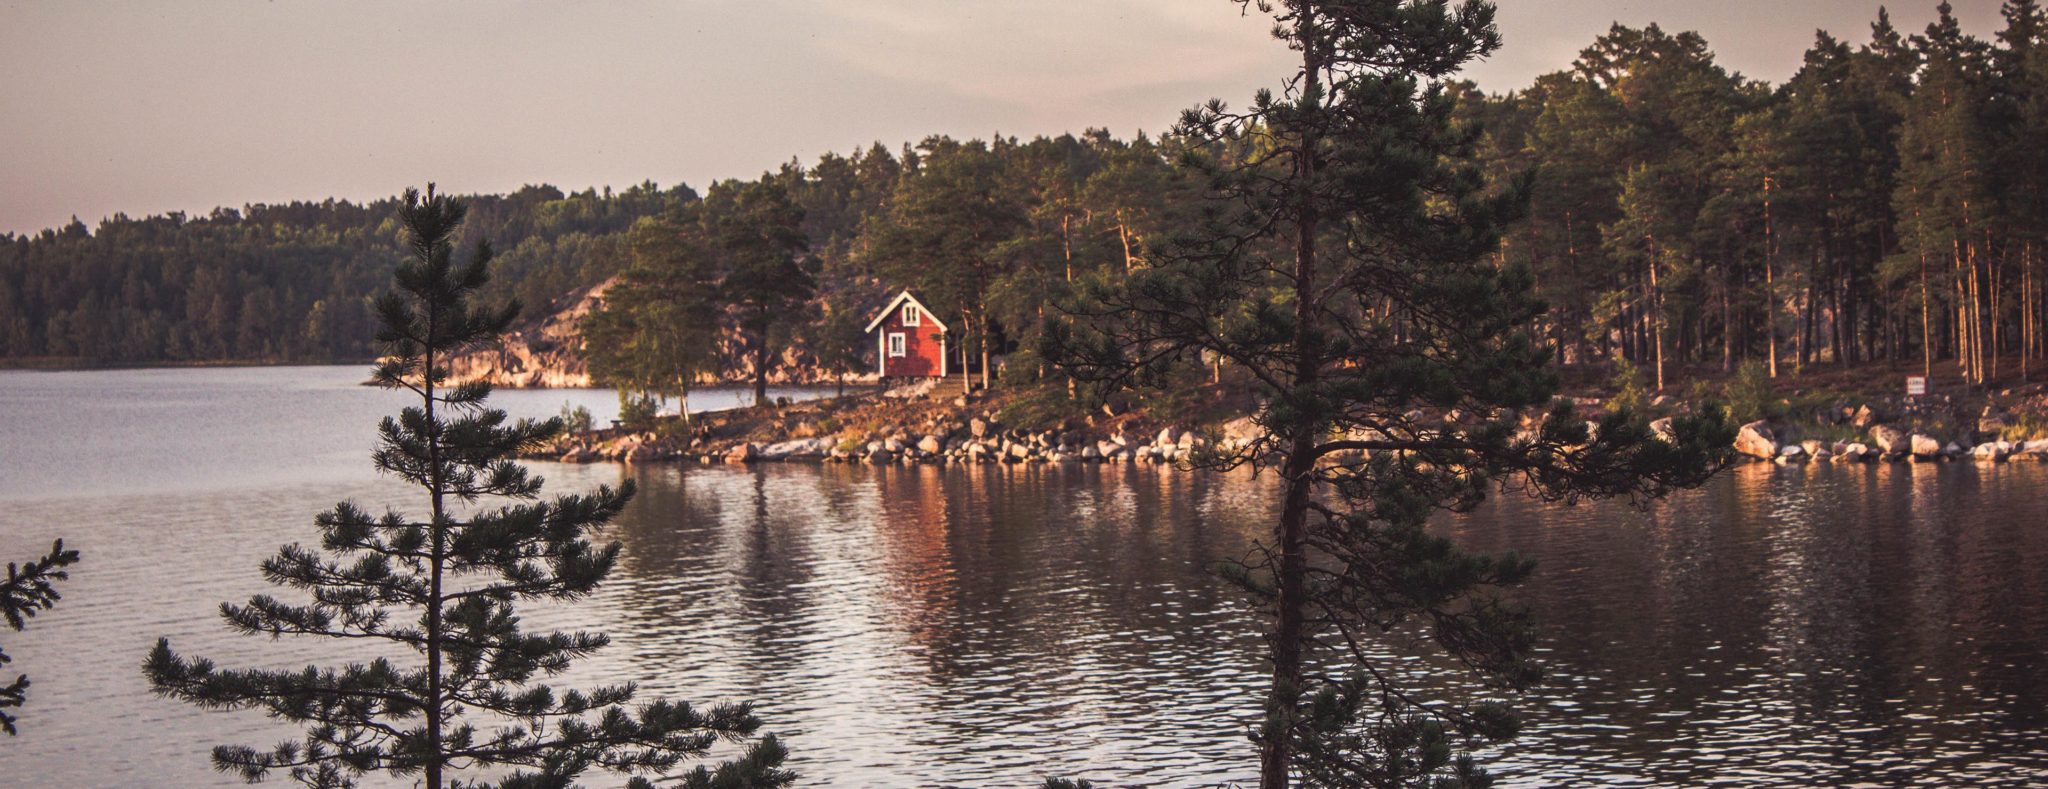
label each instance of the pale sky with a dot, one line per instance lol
(147, 107)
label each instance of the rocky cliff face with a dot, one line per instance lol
(543, 355)
(548, 354)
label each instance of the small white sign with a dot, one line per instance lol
(1916, 385)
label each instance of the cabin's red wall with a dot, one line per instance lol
(922, 350)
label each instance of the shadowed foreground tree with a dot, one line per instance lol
(1346, 265)
(462, 694)
(29, 588)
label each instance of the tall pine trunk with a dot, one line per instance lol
(437, 560)
(1291, 582)
(761, 369)
(1770, 281)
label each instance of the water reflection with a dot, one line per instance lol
(1815, 625)
(921, 626)
(927, 626)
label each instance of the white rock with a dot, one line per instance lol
(1890, 440)
(1756, 440)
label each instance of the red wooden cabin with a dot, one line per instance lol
(911, 340)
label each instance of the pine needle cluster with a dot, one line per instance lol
(30, 587)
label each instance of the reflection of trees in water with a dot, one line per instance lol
(2001, 593)
(1036, 559)
(1042, 597)
(1868, 613)
(1011, 618)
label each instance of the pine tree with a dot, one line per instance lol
(757, 235)
(1943, 197)
(1348, 267)
(29, 588)
(462, 690)
(656, 330)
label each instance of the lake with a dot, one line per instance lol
(990, 626)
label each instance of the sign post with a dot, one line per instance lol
(1916, 385)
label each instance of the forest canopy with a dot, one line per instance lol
(1884, 203)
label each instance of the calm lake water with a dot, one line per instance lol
(929, 626)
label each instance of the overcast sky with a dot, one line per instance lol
(146, 107)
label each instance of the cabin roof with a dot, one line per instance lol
(898, 302)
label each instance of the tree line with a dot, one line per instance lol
(270, 283)
(1883, 204)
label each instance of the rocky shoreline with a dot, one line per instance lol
(917, 425)
(966, 431)
(1758, 442)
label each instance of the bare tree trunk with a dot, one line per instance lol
(1926, 305)
(761, 369)
(1727, 322)
(1657, 316)
(1770, 280)
(1966, 351)
(2027, 330)
(1067, 242)
(1123, 232)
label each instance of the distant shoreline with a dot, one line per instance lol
(74, 365)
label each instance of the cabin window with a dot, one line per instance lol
(912, 316)
(896, 344)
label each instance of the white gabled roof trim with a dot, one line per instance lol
(898, 302)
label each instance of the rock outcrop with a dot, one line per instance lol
(543, 356)
(1756, 440)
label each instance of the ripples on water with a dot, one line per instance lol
(1814, 625)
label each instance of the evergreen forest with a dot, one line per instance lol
(1883, 204)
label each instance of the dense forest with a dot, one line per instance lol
(1884, 204)
(277, 282)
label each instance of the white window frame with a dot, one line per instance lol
(912, 316)
(899, 345)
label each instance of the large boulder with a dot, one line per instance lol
(1792, 453)
(1992, 422)
(1756, 440)
(1852, 453)
(1992, 452)
(930, 445)
(1889, 440)
(1662, 431)
(1864, 418)
(977, 427)
(744, 453)
(1924, 446)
